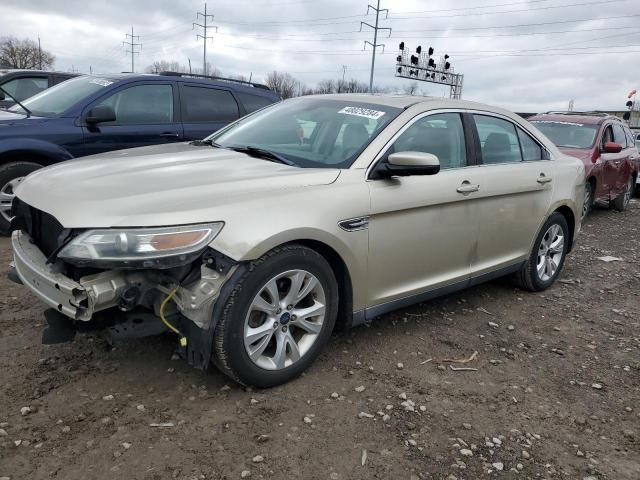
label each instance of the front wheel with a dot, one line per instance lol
(587, 204)
(621, 202)
(11, 174)
(547, 256)
(278, 318)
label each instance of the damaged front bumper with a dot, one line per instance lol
(132, 295)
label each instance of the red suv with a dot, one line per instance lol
(606, 146)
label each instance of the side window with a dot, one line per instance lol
(142, 104)
(531, 151)
(23, 88)
(498, 140)
(440, 134)
(619, 136)
(202, 105)
(253, 102)
(607, 136)
(630, 141)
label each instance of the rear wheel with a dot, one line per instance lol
(621, 202)
(11, 174)
(278, 318)
(547, 256)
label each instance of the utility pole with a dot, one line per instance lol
(39, 54)
(189, 66)
(344, 70)
(204, 36)
(132, 44)
(375, 43)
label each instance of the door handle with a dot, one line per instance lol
(466, 187)
(169, 134)
(543, 179)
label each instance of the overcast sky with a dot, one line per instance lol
(525, 55)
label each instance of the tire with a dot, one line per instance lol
(529, 277)
(233, 339)
(621, 202)
(10, 175)
(587, 205)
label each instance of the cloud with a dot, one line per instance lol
(530, 55)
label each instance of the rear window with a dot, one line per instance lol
(204, 105)
(568, 134)
(252, 103)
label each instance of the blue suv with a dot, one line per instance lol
(94, 114)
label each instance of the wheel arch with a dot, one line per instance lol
(343, 278)
(31, 150)
(570, 217)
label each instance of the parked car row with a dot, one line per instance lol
(250, 232)
(253, 243)
(93, 114)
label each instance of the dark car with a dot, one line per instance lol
(606, 146)
(22, 84)
(94, 114)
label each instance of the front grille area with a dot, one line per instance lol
(42, 227)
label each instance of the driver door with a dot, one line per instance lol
(423, 229)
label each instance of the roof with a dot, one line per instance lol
(406, 101)
(218, 81)
(585, 118)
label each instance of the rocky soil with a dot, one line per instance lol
(552, 392)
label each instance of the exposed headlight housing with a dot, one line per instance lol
(164, 247)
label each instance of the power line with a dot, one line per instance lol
(314, 22)
(204, 37)
(375, 44)
(132, 44)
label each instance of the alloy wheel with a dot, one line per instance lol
(284, 319)
(7, 194)
(550, 252)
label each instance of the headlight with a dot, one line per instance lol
(143, 247)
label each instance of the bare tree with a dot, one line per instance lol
(411, 89)
(15, 53)
(326, 86)
(283, 83)
(165, 66)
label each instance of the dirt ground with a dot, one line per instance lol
(555, 394)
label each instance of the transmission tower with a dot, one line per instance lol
(132, 45)
(375, 43)
(204, 36)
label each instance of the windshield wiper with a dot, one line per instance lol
(17, 102)
(210, 143)
(267, 154)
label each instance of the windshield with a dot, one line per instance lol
(60, 98)
(310, 132)
(568, 134)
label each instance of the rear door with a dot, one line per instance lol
(516, 192)
(145, 115)
(206, 109)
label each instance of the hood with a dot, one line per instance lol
(13, 118)
(583, 154)
(160, 185)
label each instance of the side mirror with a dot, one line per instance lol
(101, 114)
(2, 97)
(612, 147)
(404, 164)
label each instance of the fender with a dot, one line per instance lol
(47, 152)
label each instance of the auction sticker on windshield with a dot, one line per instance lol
(101, 81)
(362, 112)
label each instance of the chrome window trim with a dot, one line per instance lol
(422, 115)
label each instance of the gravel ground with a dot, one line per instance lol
(554, 392)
